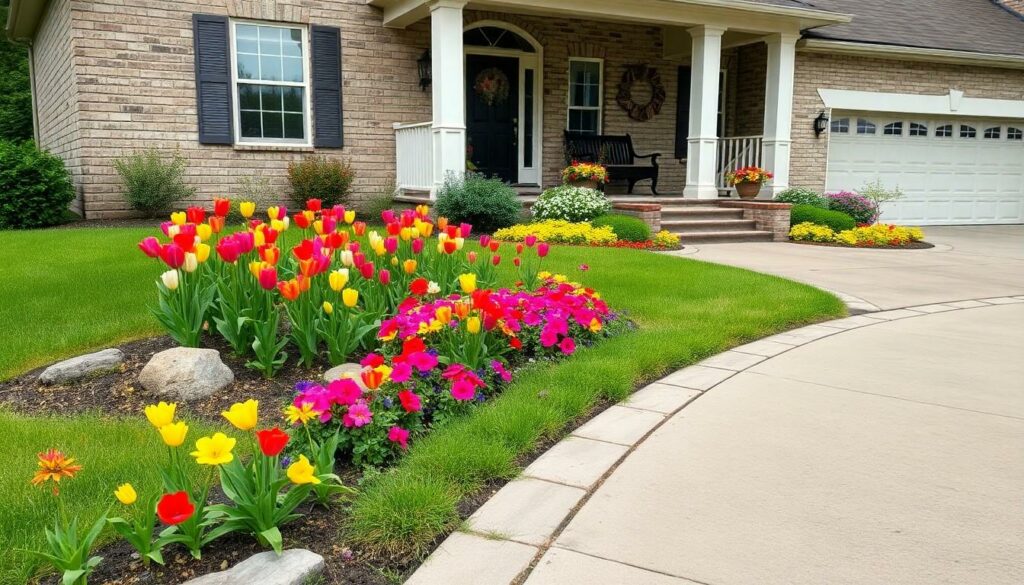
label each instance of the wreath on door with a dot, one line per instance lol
(492, 86)
(648, 76)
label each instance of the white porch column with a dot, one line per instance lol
(702, 142)
(448, 89)
(778, 110)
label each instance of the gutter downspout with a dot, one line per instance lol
(32, 89)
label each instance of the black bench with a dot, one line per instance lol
(616, 154)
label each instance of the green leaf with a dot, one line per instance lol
(273, 536)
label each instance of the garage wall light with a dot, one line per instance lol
(820, 124)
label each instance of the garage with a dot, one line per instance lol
(952, 170)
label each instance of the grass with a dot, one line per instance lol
(71, 290)
(686, 311)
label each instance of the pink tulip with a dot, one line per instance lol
(542, 249)
(417, 246)
(464, 229)
(384, 276)
(268, 278)
(366, 269)
(471, 256)
(388, 216)
(485, 241)
(173, 255)
(530, 240)
(150, 247)
(391, 244)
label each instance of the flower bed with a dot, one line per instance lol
(557, 231)
(879, 235)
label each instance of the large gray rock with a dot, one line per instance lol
(79, 367)
(185, 373)
(349, 370)
(294, 567)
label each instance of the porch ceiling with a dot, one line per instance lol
(737, 15)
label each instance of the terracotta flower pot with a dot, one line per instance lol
(588, 183)
(748, 190)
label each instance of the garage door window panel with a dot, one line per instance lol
(1014, 133)
(865, 126)
(918, 129)
(968, 131)
(944, 131)
(841, 126)
(893, 129)
(993, 133)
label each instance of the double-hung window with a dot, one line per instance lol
(585, 95)
(271, 75)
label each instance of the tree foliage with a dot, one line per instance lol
(15, 92)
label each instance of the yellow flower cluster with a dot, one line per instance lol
(873, 236)
(584, 171)
(665, 239)
(559, 232)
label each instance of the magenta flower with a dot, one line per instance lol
(345, 392)
(530, 240)
(150, 247)
(463, 389)
(499, 369)
(422, 361)
(567, 346)
(401, 372)
(400, 436)
(358, 415)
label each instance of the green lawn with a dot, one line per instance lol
(67, 291)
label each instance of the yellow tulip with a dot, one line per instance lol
(202, 252)
(204, 231)
(350, 297)
(215, 450)
(405, 233)
(328, 308)
(473, 325)
(161, 414)
(350, 216)
(459, 243)
(444, 314)
(259, 238)
(174, 433)
(409, 266)
(272, 212)
(247, 208)
(302, 472)
(394, 260)
(125, 494)
(244, 415)
(318, 227)
(178, 218)
(467, 282)
(338, 279)
(278, 225)
(254, 268)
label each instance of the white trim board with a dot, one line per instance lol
(952, 104)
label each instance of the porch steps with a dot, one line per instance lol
(703, 222)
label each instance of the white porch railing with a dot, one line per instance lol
(414, 156)
(735, 152)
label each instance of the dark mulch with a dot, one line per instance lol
(910, 246)
(118, 394)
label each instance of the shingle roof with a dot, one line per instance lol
(978, 26)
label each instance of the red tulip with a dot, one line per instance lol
(517, 261)
(172, 255)
(268, 278)
(359, 227)
(290, 289)
(304, 251)
(270, 254)
(393, 229)
(495, 259)
(221, 206)
(314, 204)
(419, 286)
(384, 276)
(366, 269)
(301, 220)
(471, 256)
(270, 235)
(246, 241)
(175, 508)
(195, 214)
(519, 249)
(494, 246)
(450, 246)
(150, 247)
(187, 242)
(272, 441)
(542, 249)
(229, 250)
(216, 224)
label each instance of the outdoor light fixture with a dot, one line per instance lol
(425, 70)
(820, 123)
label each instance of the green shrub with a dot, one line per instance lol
(35, 188)
(486, 204)
(152, 184)
(574, 204)
(626, 227)
(318, 177)
(836, 220)
(802, 196)
(381, 200)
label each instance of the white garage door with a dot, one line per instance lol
(952, 171)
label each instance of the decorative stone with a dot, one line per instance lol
(79, 367)
(185, 373)
(349, 370)
(296, 566)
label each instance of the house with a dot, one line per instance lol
(828, 94)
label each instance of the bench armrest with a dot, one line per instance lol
(653, 156)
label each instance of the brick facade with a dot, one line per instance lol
(819, 70)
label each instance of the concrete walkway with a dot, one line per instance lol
(881, 448)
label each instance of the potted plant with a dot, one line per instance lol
(748, 181)
(584, 174)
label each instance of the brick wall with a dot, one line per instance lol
(56, 91)
(817, 70)
(749, 88)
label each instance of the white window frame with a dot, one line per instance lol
(902, 127)
(1017, 131)
(941, 126)
(867, 122)
(985, 133)
(600, 93)
(910, 129)
(840, 125)
(306, 85)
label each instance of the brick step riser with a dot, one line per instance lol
(722, 238)
(709, 214)
(711, 226)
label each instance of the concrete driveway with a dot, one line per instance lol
(966, 263)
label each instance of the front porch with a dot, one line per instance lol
(712, 90)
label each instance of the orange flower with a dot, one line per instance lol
(442, 223)
(270, 254)
(461, 310)
(53, 465)
(289, 289)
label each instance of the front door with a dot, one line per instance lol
(492, 115)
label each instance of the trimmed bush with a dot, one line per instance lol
(571, 203)
(836, 220)
(558, 231)
(318, 177)
(859, 207)
(150, 183)
(35, 188)
(626, 227)
(486, 204)
(802, 196)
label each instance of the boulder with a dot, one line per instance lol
(296, 566)
(349, 370)
(79, 367)
(185, 373)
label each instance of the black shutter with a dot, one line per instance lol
(213, 78)
(683, 112)
(326, 64)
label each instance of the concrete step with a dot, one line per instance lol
(699, 213)
(708, 225)
(723, 237)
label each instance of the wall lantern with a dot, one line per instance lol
(425, 70)
(820, 124)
